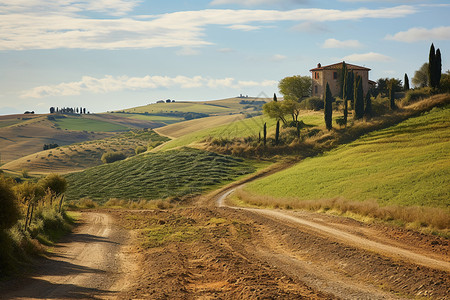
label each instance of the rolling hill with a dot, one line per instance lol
(406, 164)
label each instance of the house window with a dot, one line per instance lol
(335, 75)
(316, 75)
(315, 90)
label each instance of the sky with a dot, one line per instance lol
(113, 54)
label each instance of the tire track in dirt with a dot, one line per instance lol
(91, 262)
(328, 280)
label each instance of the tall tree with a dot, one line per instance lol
(368, 106)
(438, 67)
(432, 67)
(345, 96)
(359, 99)
(275, 97)
(277, 133)
(350, 86)
(406, 83)
(342, 77)
(328, 111)
(265, 134)
(52, 110)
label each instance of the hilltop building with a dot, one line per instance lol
(331, 74)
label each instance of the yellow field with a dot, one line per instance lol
(180, 129)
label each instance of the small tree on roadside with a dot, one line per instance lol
(265, 134)
(9, 211)
(328, 112)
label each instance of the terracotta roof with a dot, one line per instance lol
(338, 66)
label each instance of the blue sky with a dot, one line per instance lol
(113, 54)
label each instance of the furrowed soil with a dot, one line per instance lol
(227, 253)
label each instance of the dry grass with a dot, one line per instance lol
(410, 216)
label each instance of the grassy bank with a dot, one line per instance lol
(157, 176)
(404, 165)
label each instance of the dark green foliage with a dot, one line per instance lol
(359, 99)
(312, 103)
(345, 100)
(110, 157)
(392, 105)
(277, 133)
(406, 83)
(275, 97)
(9, 212)
(350, 86)
(432, 67)
(156, 175)
(52, 110)
(368, 106)
(265, 134)
(328, 108)
(50, 146)
(342, 80)
(295, 87)
(438, 68)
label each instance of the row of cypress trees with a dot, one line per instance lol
(434, 67)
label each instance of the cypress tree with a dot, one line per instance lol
(432, 67)
(342, 79)
(344, 96)
(359, 99)
(275, 97)
(350, 85)
(406, 84)
(265, 133)
(392, 97)
(277, 133)
(259, 137)
(368, 108)
(438, 67)
(328, 111)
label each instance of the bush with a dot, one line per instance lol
(380, 105)
(140, 149)
(56, 183)
(110, 157)
(9, 212)
(312, 103)
(416, 95)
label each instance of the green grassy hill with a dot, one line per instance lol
(239, 128)
(407, 164)
(157, 176)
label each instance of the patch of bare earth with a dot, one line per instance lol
(242, 254)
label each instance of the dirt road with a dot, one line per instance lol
(90, 262)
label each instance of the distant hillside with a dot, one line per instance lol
(80, 156)
(25, 134)
(179, 111)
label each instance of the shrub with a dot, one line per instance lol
(9, 212)
(140, 149)
(416, 95)
(312, 103)
(86, 203)
(110, 157)
(56, 183)
(380, 105)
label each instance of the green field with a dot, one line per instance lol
(163, 119)
(80, 124)
(241, 128)
(407, 164)
(157, 176)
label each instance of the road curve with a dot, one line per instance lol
(89, 263)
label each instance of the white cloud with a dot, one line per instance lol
(333, 43)
(371, 56)
(244, 27)
(110, 83)
(21, 30)
(279, 57)
(255, 2)
(421, 34)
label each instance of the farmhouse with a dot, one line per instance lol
(332, 74)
